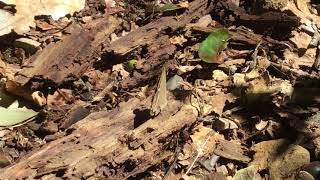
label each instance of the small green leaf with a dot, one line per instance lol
(132, 64)
(211, 47)
(169, 7)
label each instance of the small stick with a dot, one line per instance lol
(199, 152)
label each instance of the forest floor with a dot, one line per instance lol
(120, 90)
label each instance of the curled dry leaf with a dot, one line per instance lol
(37, 97)
(60, 97)
(23, 19)
(178, 40)
(120, 70)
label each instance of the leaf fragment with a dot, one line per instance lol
(169, 7)
(13, 115)
(159, 101)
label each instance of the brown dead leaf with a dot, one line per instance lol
(178, 40)
(300, 39)
(43, 25)
(60, 97)
(301, 10)
(263, 62)
(204, 21)
(200, 136)
(185, 69)
(295, 61)
(7, 70)
(97, 78)
(17, 90)
(218, 102)
(183, 4)
(261, 125)
(159, 101)
(231, 150)
(119, 69)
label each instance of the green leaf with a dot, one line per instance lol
(169, 7)
(211, 47)
(132, 64)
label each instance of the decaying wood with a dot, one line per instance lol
(280, 21)
(159, 47)
(243, 36)
(70, 56)
(75, 53)
(146, 35)
(105, 144)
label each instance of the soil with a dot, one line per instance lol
(107, 113)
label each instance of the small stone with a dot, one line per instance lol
(223, 169)
(86, 19)
(280, 165)
(224, 123)
(204, 21)
(53, 137)
(76, 114)
(33, 125)
(174, 82)
(4, 161)
(219, 75)
(52, 127)
(27, 44)
(303, 175)
(313, 169)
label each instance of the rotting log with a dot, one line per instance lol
(106, 145)
(72, 55)
(147, 34)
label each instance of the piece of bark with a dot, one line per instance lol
(105, 145)
(242, 36)
(230, 150)
(72, 55)
(272, 21)
(147, 34)
(160, 50)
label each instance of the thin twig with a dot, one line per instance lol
(177, 150)
(199, 152)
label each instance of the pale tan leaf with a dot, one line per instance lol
(160, 98)
(23, 19)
